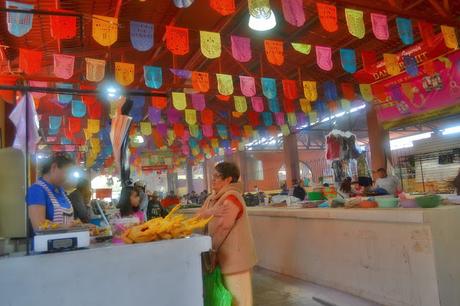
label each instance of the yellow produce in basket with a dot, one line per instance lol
(170, 227)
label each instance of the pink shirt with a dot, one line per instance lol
(140, 215)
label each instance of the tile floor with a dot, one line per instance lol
(272, 289)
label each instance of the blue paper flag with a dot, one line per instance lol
(225, 144)
(78, 108)
(330, 91)
(64, 98)
(222, 131)
(19, 23)
(154, 115)
(53, 131)
(269, 87)
(193, 143)
(54, 122)
(141, 35)
(137, 111)
(65, 141)
(411, 65)
(153, 77)
(348, 59)
(274, 105)
(405, 30)
(320, 107)
(268, 118)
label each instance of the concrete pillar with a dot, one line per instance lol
(189, 177)
(379, 141)
(172, 181)
(291, 158)
(207, 172)
(205, 175)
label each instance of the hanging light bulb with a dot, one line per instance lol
(262, 23)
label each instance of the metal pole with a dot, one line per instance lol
(26, 174)
(423, 178)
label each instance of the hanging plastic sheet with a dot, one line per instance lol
(78, 109)
(55, 122)
(247, 86)
(269, 87)
(222, 131)
(207, 130)
(223, 7)
(207, 116)
(173, 115)
(348, 60)
(254, 118)
(327, 16)
(210, 44)
(391, 63)
(224, 84)
(74, 124)
(63, 27)
(366, 92)
(177, 40)
(257, 104)
(183, 3)
(305, 105)
(200, 81)
(93, 126)
(198, 101)
(450, 37)
(30, 61)
(301, 48)
(369, 59)
(411, 65)
(181, 73)
(310, 91)
(289, 106)
(63, 65)
(267, 117)
(405, 30)
(292, 119)
(124, 73)
(274, 105)
(153, 77)
(154, 115)
(95, 69)
(279, 118)
(427, 32)
(330, 90)
(240, 104)
(105, 30)
(355, 22)
(348, 91)
(259, 8)
(241, 48)
(19, 24)
(64, 98)
(190, 116)
(380, 26)
(141, 35)
(324, 58)
(290, 89)
(274, 50)
(159, 102)
(293, 12)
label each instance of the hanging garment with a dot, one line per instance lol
(332, 147)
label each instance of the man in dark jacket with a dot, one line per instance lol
(298, 191)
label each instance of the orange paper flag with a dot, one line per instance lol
(274, 50)
(327, 16)
(200, 81)
(177, 40)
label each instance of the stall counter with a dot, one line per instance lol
(156, 273)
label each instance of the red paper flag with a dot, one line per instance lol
(63, 27)
(379, 91)
(157, 138)
(74, 124)
(223, 98)
(327, 16)
(159, 102)
(369, 60)
(30, 61)
(254, 118)
(290, 89)
(88, 99)
(289, 106)
(235, 130)
(223, 7)
(179, 129)
(348, 91)
(95, 111)
(207, 116)
(274, 50)
(177, 40)
(429, 68)
(427, 33)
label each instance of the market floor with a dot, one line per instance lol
(273, 289)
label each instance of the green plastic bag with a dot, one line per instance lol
(215, 293)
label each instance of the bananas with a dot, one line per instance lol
(170, 227)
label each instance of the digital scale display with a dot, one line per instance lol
(62, 244)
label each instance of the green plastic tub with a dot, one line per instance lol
(315, 196)
(428, 201)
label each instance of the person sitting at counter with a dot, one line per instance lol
(230, 232)
(81, 200)
(46, 199)
(129, 203)
(345, 190)
(298, 191)
(386, 183)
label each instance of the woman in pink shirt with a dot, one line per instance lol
(129, 203)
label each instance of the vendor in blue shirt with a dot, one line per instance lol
(46, 199)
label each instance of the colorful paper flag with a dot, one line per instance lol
(224, 84)
(200, 81)
(207, 116)
(95, 69)
(290, 89)
(241, 48)
(274, 50)
(19, 24)
(269, 87)
(405, 32)
(64, 98)
(30, 61)
(348, 60)
(279, 118)
(78, 109)
(63, 65)
(293, 12)
(330, 90)
(411, 65)
(124, 73)
(391, 63)
(179, 100)
(267, 118)
(240, 104)
(324, 58)
(366, 92)
(154, 115)
(355, 22)
(348, 91)
(450, 37)
(105, 30)
(301, 48)
(369, 59)
(305, 105)
(292, 119)
(153, 77)
(63, 27)
(309, 90)
(223, 7)
(257, 104)
(198, 101)
(177, 40)
(210, 44)
(274, 105)
(380, 26)
(159, 102)
(247, 86)
(327, 16)
(141, 35)
(190, 116)
(427, 32)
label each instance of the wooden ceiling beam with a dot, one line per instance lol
(440, 8)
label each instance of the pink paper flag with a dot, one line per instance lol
(63, 66)
(198, 101)
(207, 130)
(38, 95)
(257, 104)
(324, 58)
(293, 12)
(279, 118)
(247, 86)
(241, 48)
(185, 150)
(380, 26)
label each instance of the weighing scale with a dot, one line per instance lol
(59, 240)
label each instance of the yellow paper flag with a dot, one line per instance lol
(224, 84)
(194, 130)
(346, 105)
(406, 88)
(292, 119)
(95, 145)
(105, 30)
(210, 44)
(171, 136)
(301, 48)
(355, 22)
(305, 105)
(87, 134)
(146, 128)
(93, 126)
(190, 116)
(124, 73)
(313, 117)
(240, 104)
(366, 92)
(214, 143)
(285, 130)
(309, 90)
(248, 131)
(179, 100)
(450, 38)
(391, 63)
